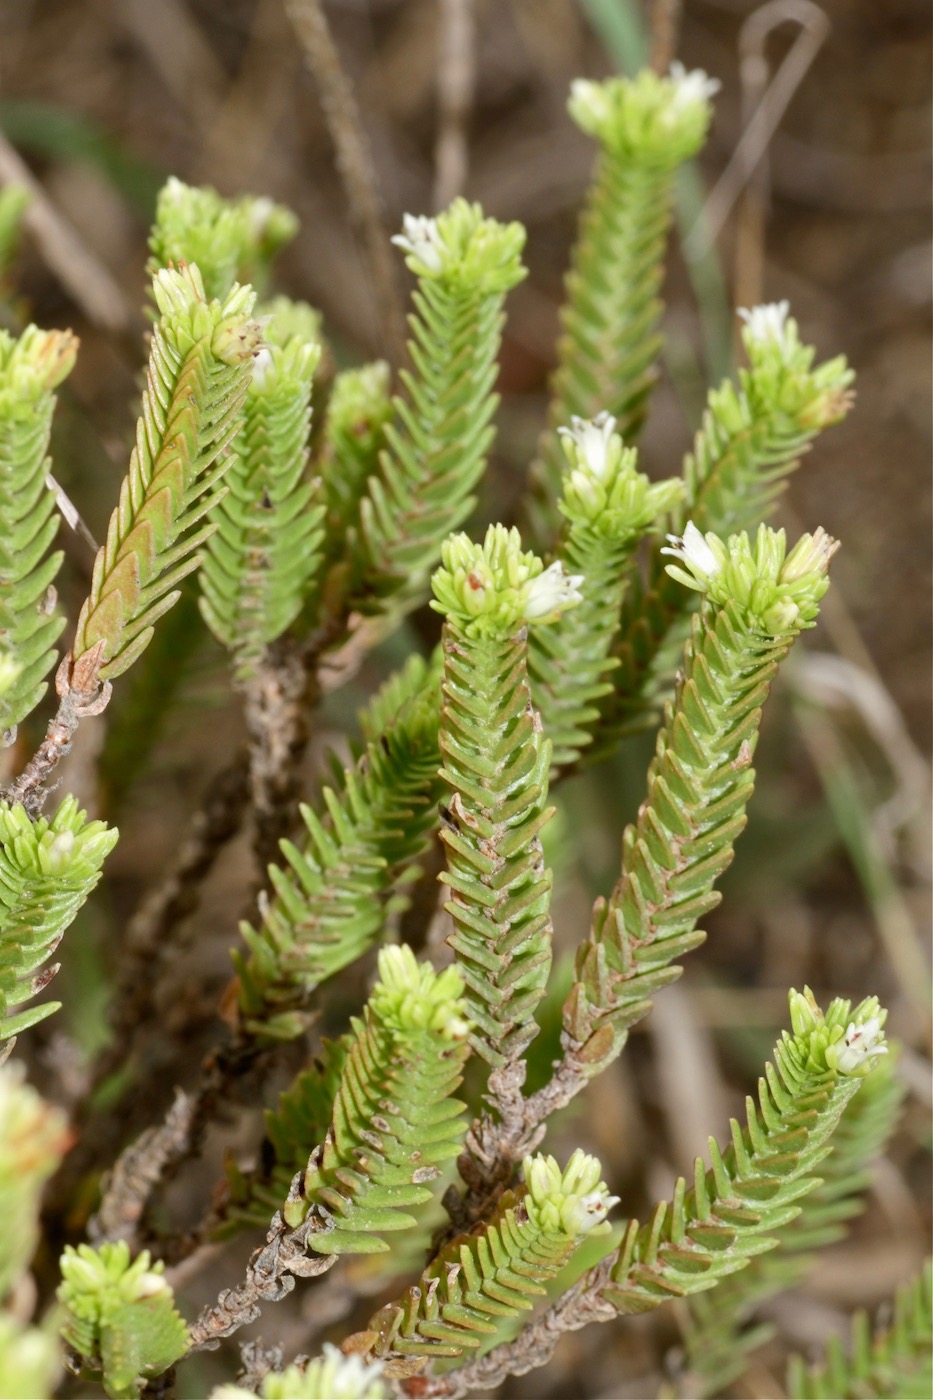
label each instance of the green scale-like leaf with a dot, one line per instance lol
(754, 1187)
(395, 1121)
(199, 370)
(607, 505)
(48, 867)
(120, 1316)
(30, 369)
(496, 760)
(261, 563)
(895, 1364)
(293, 1129)
(718, 1340)
(752, 437)
(699, 782)
(646, 127)
(497, 1271)
(329, 904)
(230, 240)
(436, 446)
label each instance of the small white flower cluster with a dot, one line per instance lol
(575, 1200)
(551, 591)
(589, 443)
(693, 549)
(861, 1043)
(420, 237)
(768, 324)
(696, 86)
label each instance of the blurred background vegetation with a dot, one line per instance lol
(102, 99)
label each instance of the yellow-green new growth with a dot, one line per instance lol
(646, 127)
(199, 370)
(497, 1270)
(847, 1043)
(33, 1140)
(493, 589)
(648, 117)
(776, 591)
(120, 1315)
(262, 562)
(395, 1120)
(435, 448)
(229, 240)
(462, 248)
(608, 505)
(604, 488)
(574, 1201)
(48, 867)
(31, 368)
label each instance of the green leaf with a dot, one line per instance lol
(496, 762)
(500, 1268)
(895, 1364)
(229, 240)
(48, 867)
(394, 1119)
(758, 599)
(30, 369)
(199, 370)
(329, 901)
(120, 1316)
(436, 446)
(646, 126)
(752, 1188)
(261, 564)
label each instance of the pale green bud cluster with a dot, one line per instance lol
(227, 238)
(30, 1364)
(778, 592)
(284, 320)
(646, 118)
(411, 996)
(31, 366)
(845, 1041)
(604, 488)
(120, 1314)
(360, 399)
(463, 249)
(34, 1137)
(494, 588)
(66, 845)
(331, 1376)
(781, 369)
(188, 317)
(572, 1202)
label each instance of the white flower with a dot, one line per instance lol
(860, 1042)
(592, 439)
(551, 591)
(420, 238)
(259, 214)
(693, 549)
(262, 363)
(696, 86)
(582, 1214)
(810, 555)
(767, 322)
